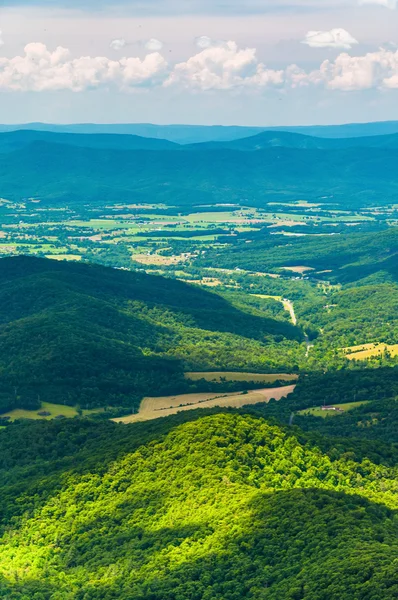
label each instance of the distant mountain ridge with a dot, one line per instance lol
(191, 134)
(14, 140)
(287, 139)
(60, 173)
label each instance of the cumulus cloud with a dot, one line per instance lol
(154, 45)
(224, 67)
(335, 38)
(118, 44)
(39, 70)
(351, 73)
(203, 41)
(387, 3)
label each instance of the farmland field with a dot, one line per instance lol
(163, 406)
(318, 412)
(370, 350)
(237, 376)
(55, 409)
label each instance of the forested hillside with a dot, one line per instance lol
(222, 506)
(345, 258)
(59, 173)
(94, 336)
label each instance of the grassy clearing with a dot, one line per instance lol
(299, 269)
(76, 257)
(154, 408)
(318, 412)
(157, 259)
(370, 351)
(236, 376)
(55, 410)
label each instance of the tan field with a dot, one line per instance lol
(298, 269)
(155, 407)
(157, 259)
(237, 376)
(64, 256)
(209, 281)
(370, 350)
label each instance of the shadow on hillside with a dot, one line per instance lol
(293, 544)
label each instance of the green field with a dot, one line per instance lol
(318, 412)
(236, 376)
(55, 410)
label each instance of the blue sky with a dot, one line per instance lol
(254, 62)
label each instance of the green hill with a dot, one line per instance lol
(346, 257)
(287, 139)
(78, 333)
(15, 140)
(60, 174)
(221, 507)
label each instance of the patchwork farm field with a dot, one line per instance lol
(163, 406)
(237, 376)
(366, 351)
(320, 412)
(54, 410)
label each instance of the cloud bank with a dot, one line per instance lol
(217, 67)
(336, 38)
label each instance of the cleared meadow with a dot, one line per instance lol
(319, 412)
(55, 410)
(162, 406)
(237, 376)
(366, 351)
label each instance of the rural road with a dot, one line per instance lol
(288, 305)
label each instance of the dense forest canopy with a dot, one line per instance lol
(95, 336)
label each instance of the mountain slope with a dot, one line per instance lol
(287, 139)
(224, 507)
(15, 140)
(346, 258)
(193, 134)
(57, 173)
(76, 333)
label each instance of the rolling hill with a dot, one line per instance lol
(193, 134)
(62, 174)
(287, 139)
(95, 336)
(347, 258)
(222, 506)
(14, 140)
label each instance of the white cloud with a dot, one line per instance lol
(41, 70)
(224, 67)
(203, 41)
(387, 3)
(118, 44)
(352, 73)
(1, 38)
(154, 45)
(335, 38)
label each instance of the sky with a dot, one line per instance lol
(241, 62)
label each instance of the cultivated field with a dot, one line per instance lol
(370, 350)
(155, 407)
(237, 376)
(54, 409)
(318, 412)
